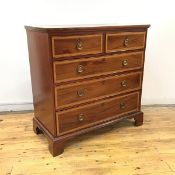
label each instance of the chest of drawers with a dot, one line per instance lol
(84, 78)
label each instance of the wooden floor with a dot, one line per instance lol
(120, 149)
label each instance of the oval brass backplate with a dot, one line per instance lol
(124, 83)
(79, 45)
(122, 105)
(80, 68)
(81, 117)
(126, 41)
(125, 62)
(81, 93)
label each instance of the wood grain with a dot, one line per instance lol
(67, 70)
(71, 94)
(42, 81)
(118, 149)
(116, 41)
(86, 28)
(77, 58)
(95, 112)
(67, 45)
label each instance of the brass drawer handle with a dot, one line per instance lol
(122, 105)
(125, 62)
(80, 68)
(81, 117)
(124, 83)
(79, 45)
(80, 93)
(126, 41)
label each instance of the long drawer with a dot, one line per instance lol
(76, 45)
(80, 92)
(84, 68)
(125, 41)
(93, 113)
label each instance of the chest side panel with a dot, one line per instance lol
(42, 79)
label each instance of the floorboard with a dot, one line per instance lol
(120, 149)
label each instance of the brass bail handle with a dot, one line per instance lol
(79, 45)
(80, 68)
(81, 117)
(126, 41)
(124, 83)
(122, 105)
(125, 62)
(80, 93)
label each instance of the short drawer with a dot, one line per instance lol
(63, 46)
(81, 117)
(85, 68)
(96, 89)
(125, 41)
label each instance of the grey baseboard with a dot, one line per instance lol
(159, 105)
(26, 106)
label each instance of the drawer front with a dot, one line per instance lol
(96, 89)
(84, 68)
(125, 41)
(81, 117)
(63, 46)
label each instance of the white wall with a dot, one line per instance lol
(15, 86)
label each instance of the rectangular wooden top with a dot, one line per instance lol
(99, 27)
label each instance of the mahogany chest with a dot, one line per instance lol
(84, 78)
